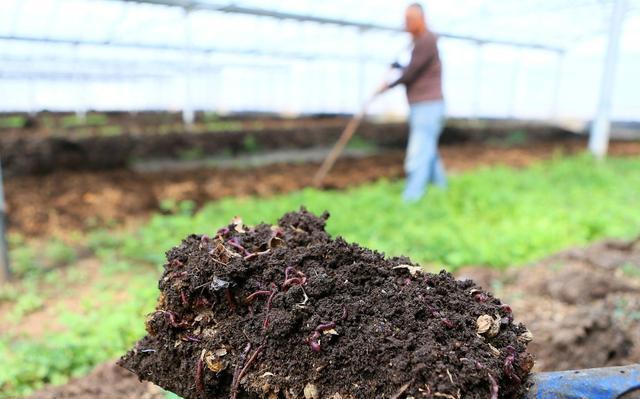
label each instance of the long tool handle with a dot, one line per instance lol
(348, 132)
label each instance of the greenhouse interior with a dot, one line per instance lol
(319, 199)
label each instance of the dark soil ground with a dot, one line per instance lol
(24, 155)
(153, 123)
(287, 312)
(106, 381)
(80, 200)
(104, 145)
(582, 305)
(576, 323)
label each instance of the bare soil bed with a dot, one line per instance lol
(80, 200)
(24, 155)
(25, 152)
(107, 381)
(582, 306)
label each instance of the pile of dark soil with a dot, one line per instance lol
(287, 312)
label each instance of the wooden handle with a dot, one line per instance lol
(348, 132)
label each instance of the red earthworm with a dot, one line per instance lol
(287, 271)
(202, 301)
(253, 296)
(480, 296)
(236, 373)
(199, 367)
(301, 279)
(448, 323)
(294, 281)
(173, 275)
(172, 316)
(234, 243)
(494, 386)
(508, 363)
(256, 254)
(326, 326)
(509, 318)
(313, 339)
(230, 300)
(249, 362)
(274, 290)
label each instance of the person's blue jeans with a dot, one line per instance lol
(422, 163)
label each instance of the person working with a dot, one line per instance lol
(423, 81)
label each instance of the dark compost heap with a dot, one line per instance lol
(288, 312)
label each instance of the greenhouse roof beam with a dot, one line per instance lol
(75, 76)
(261, 12)
(180, 48)
(104, 64)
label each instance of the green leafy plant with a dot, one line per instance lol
(191, 154)
(223, 126)
(111, 130)
(631, 270)
(13, 121)
(59, 253)
(250, 144)
(493, 216)
(25, 303)
(94, 119)
(360, 143)
(104, 327)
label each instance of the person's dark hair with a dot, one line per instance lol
(417, 6)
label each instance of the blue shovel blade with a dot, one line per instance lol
(601, 383)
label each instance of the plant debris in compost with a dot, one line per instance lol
(285, 311)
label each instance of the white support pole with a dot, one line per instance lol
(188, 114)
(557, 84)
(5, 270)
(600, 128)
(477, 88)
